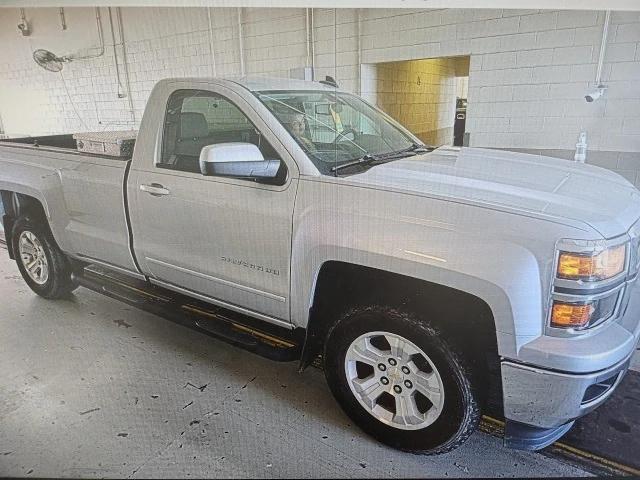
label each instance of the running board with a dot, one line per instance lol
(269, 341)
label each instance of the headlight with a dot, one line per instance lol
(590, 267)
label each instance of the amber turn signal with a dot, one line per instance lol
(571, 315)
(589, 268)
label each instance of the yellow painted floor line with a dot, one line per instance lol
(499, 424)
(597, 458)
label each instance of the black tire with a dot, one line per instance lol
(59, 283)
(460, 412)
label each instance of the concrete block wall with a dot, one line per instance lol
(529, 69)
(421, 95)
(529, 72)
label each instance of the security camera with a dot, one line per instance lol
(595, 94)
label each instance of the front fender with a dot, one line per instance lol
(446, 243)
(503, 299)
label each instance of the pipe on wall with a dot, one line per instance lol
(121, 93)
(359, 44)
(240, 42)
(100, 33)
(211, 45)
(603, 46)
(86, 55)
(308, 31)
(125, 63)
(313, 43)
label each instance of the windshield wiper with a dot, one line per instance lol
(367, 159)
(417, 148)
(414, 149)
(370, 159)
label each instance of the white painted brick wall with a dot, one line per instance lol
(529, 68)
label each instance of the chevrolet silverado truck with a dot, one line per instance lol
(430, 282)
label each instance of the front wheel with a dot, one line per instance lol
(42, 264)
(399, 381)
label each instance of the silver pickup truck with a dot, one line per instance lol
(430, 282)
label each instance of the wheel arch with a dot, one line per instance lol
(339, 285)
(17, 204)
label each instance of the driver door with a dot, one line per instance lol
(227, 240)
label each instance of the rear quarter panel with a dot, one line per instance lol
(82, 196)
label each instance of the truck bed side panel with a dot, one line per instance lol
(82, 196)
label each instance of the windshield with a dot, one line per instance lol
(336, 128)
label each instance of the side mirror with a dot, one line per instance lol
(240, 160)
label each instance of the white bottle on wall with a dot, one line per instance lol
(581, 148)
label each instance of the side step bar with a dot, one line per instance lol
(269, 341)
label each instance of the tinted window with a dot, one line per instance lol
(196, 118)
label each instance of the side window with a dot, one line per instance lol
(197, 118)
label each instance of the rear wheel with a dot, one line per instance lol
(399, 381)
(42, 264)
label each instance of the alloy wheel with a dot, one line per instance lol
(394, 380)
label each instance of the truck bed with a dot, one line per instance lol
(85, 200)
(53, 143)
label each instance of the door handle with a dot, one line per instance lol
(155, 189)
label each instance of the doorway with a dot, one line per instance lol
(427, 96)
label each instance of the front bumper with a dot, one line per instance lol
(557, 380)
(547, 399)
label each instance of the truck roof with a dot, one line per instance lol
(257, 83)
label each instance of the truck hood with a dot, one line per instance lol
(529, 184)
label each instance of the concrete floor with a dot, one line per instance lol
(91, 387)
